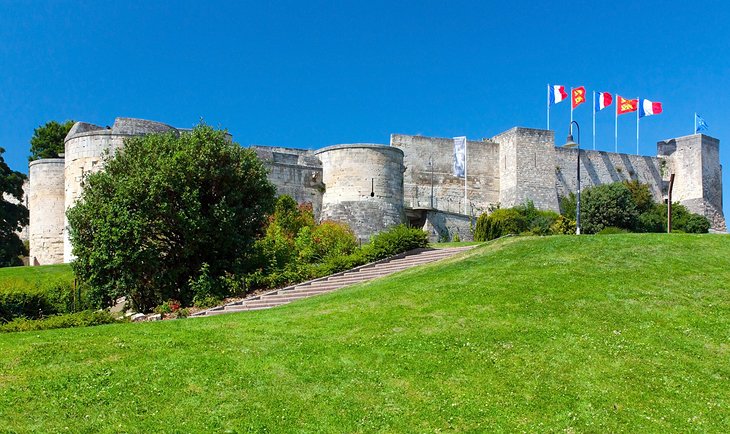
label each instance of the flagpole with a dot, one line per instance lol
(695, 122)
(465, 174)
(594, 120)
(548, 106)
(615, 126)
(571, 111)
(638, 101)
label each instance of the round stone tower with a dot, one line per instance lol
(363, 187)
(46, 206)
(86, 147)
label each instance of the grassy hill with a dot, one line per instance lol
(33, 274)
(591, 333)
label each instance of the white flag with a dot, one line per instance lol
(459, 156)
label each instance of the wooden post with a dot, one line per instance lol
(669, 204)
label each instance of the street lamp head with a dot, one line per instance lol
(570, 143)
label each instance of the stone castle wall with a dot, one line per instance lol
(294, 172)
(448, 190)
(527, 168)
(599, 167)
(371, 187)
(46, 204)
(695, 161)
(363, 187)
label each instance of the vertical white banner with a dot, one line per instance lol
(459, 156)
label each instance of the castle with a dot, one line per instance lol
(373, 186)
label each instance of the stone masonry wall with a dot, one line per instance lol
(695, 161)
(442, 226)
(448, 191)
(599, 167)
(294, 172)
(46, 205)
(363, 187)
(527, 168)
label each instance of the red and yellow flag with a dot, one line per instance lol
(578, 96)
(624, 105)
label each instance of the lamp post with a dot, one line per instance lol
(572, 144)
(430, 166)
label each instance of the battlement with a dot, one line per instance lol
(374, 186)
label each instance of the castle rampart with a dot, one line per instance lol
(363, 186)
(372, 187)
(695, 161)
(46, 205)
(294, 172)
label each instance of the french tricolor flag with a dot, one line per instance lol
(603, 100)
(557, 94)
(649, 108)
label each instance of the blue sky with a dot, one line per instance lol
(311, 74)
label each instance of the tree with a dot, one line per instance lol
(47, 140)
(13, 215)
(608, 205)
(167, 210)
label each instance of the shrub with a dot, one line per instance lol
(640, 195)
(501, 222)
(563, 226)
(289, 217)
(333, 239)
(608, 205)
(456, 238)
(79, 319)
(29, 303)
(652, 220)
(696, 224)
(542, 223)
(568, 205)
(393, 241)
(206, 288)
(163, 205)
(20, 298)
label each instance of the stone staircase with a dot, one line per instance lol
(334, 282)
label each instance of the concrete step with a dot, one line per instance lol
(352, 277)
(295, 295)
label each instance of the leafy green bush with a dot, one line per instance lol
(326, 240)
(333, 239)
(568, 205)
(393, 241)
(336, 264)
(696, 224)
(608, 205)
(20, 298)
(685, 221)
(501, 222)
(563, 226)
(164, 205)
(28, 303)
(79, 319)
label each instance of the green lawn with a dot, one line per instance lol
(580, 334)
(32, 274)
